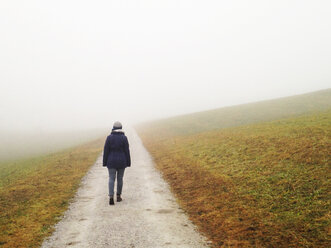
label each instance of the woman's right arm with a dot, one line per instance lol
(127, 152)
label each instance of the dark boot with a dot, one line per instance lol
(119, 198)
(111, 201)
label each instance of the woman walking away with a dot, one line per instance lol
(116, 156)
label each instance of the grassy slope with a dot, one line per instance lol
(34, 192)
(258, 185)
(243, 114)
(262, 185)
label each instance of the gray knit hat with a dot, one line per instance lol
(117, 125)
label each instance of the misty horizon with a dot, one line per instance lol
(83, 65)
(107, 128)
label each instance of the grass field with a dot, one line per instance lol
(242, 114)
(34, 192)
(256, 185)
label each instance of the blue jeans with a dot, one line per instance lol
(112, 175)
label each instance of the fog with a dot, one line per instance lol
(83, 64)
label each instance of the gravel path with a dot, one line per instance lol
(148, 216)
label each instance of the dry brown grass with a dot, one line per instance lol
(263, 185)
(31, 204)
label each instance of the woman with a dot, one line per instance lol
(116, 156)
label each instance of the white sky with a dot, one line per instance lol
(81, 64)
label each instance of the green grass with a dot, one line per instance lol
(241, 114)
(12, 170)
(261, 184)
(35, 192)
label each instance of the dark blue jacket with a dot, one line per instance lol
(116, 153)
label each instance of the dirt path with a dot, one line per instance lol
(148, 216)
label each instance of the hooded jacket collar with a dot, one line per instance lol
(117, 131)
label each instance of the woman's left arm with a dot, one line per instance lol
(105, 153)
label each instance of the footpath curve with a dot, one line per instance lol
(148, 216)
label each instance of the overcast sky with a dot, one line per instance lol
(82, 64)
